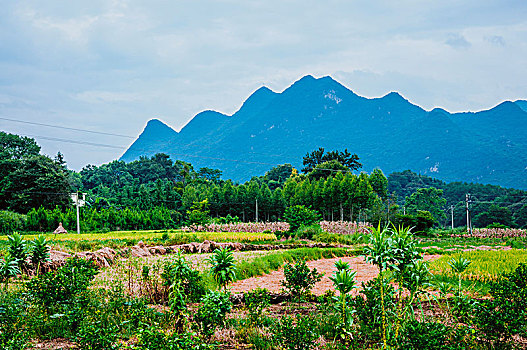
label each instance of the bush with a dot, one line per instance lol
(308, 232)
(295, 333)
(299, 279)
(431, 336)
(298, 215)
(11, 222)
(190, 281)
(212, 311)
(97, 335)
(63, 285)
(256, 301)
(13, 332)
(421, 222)
(504, 316)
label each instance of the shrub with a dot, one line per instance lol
(190, 281)
(299, 279)
(64, 284)
(431, 335)
(97, 335)
(212, 311)
(504, 316)
(13, 332)
(298, 215)
(8, 268)
(295, 333)
(307, 232)
(256, 301)
(11, 222)
(18, 249)
(199, 213)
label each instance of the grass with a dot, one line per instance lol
(486, 265)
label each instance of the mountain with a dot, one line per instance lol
(387, 132)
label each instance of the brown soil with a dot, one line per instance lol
(271, 281)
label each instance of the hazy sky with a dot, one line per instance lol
(112, 65)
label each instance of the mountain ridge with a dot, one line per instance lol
(389, 132)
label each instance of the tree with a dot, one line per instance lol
(210, 174)
(311, 160)
(379, 183)
(326, 169)
(427, 199)
(494, 214)
(17, 147)
(278, 175)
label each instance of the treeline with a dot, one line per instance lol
(158, 184)
(488, 203)
(99, 220)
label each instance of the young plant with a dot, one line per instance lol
(17, 247)
(8, 268)
(459, 266)
(295, 333)
(299, 279)
(378, 252)
(223, 267)
(344, 282)
(212, 311)
(40, 251)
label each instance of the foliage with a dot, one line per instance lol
(298, 215)
(212, 311)
(343, 280)
(97, 335)
(177, 270)
(14, 334)
(431, 335)
(40, 250)
(421, 222)
(223, 267)
(295, 333)
(503, 316)
(8, 267)
(319, 156)
(308, 232)
(63, 285)
(256, 300)
(299, 279)
(11, 222)
(18, 249)
(199, 213)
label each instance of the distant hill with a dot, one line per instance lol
(388, 132)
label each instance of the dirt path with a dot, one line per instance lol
(271, 281)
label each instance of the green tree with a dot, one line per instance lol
(319, 156)
(427, 199)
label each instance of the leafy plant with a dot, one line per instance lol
(223, 268)
(256, 300)
(97, 335)
(18, 249)
(299, 279)
(212, 311)
(8, 268)
(295, 333)
(299, 215)
(344, 282)
(40, 250)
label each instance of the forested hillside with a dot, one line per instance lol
(157, 192)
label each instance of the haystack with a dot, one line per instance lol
(60, 229)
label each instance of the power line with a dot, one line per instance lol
(67, 128)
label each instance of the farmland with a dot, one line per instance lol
(177, 301)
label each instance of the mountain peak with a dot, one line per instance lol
(156, 128)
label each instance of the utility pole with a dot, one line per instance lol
(78, 203)
(452, 214)
(469, 223)
(257, 210)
